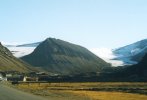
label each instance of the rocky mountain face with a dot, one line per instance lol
(61, 57)
(9, 63)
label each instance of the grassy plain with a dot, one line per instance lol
(88, 90)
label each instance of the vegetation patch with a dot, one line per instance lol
(88, 90)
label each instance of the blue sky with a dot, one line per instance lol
(90, 23)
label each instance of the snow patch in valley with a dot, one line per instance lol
(21, 51)
(107, 55)
(103, 52)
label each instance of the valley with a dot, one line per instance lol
(73, 50)
(59, 70)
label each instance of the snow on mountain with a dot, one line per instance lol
(127, 55)
(22, 50)
(25, 49)
(107, 55)
(131, 54)
(103, 52)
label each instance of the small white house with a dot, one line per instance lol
(2, 78)
(30, 78)
(25, 78)
(8, 75)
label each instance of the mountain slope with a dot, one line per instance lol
(137, 72)
(139, 69)
(9, 63)
(62, 57)
(133, 53)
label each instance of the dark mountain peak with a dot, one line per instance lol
(59, 56)
(59, 41)
(52, 40)
(48, 39)
(57, 46)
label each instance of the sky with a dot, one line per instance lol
(89, 23)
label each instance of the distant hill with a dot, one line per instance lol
(137, 72)
(62, 57)
(139, 69)
(133, 53)
(9, 63)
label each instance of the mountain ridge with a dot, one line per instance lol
(63, 57)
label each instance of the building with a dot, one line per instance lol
(26, 78)
(2, 76)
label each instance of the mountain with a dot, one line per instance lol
(139, 69)
(9, 63)
(137, 72)
(127, 55)
(23, 49)
(62, 57)
(133, 53)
